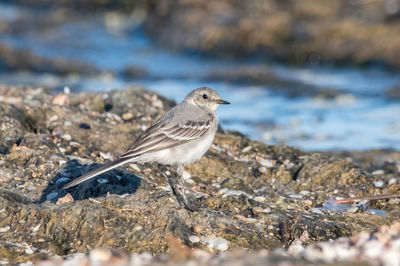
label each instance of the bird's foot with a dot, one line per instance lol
(189, 203)
(185, 197)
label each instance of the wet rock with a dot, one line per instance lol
(393, 93)
(260, 75)
(131, 209)
(87, 6)
(328, 93)
(24, 60)
(306, 32)
(373, 160)
(135, 72)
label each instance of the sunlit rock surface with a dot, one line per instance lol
(251, 195)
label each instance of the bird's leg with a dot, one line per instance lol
(178, 188)
(180, 170)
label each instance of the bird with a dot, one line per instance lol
(180, 137)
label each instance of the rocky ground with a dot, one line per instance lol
(255, 198)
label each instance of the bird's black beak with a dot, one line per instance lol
(220, 101)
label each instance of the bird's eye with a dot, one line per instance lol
(205, 96)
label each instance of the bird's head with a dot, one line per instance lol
(206, 98)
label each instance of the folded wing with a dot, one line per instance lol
(162, 136)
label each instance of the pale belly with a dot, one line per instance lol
(181, 155)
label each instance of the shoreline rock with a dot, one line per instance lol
(306, 32)
(24, 60)
(311, 32)
(252, 195)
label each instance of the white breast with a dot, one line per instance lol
(182, 154)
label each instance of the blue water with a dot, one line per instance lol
(359, 118)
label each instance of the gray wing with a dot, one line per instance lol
(163, 134)
(167, 134)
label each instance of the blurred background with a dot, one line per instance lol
(316, 74)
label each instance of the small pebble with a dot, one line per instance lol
(66, 137)
(267, 163)
(378, 183)
(102, 180)
(307, 202)
(352, 209)
(296, 196)
(262, 169)
(75, 144)
(259, 198)
(164, 188)
(261, 210)
(245, 219)
(378, 172)
(127, 116)
(53, 118)
(66, 199)
(62, 179)
(190, 181)
(197, 228)
(221, 244)
(135, 167)
(36, 228)
(304, 192)
(5, 229)
(147, 171)
(138, 228)
(28, 250)
(106, 155)
(194, 239)
(94, 200)
(246, 149)
(316, 211)
(52, 195)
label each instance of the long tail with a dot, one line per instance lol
(105, 168)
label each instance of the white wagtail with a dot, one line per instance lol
(181, 136)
